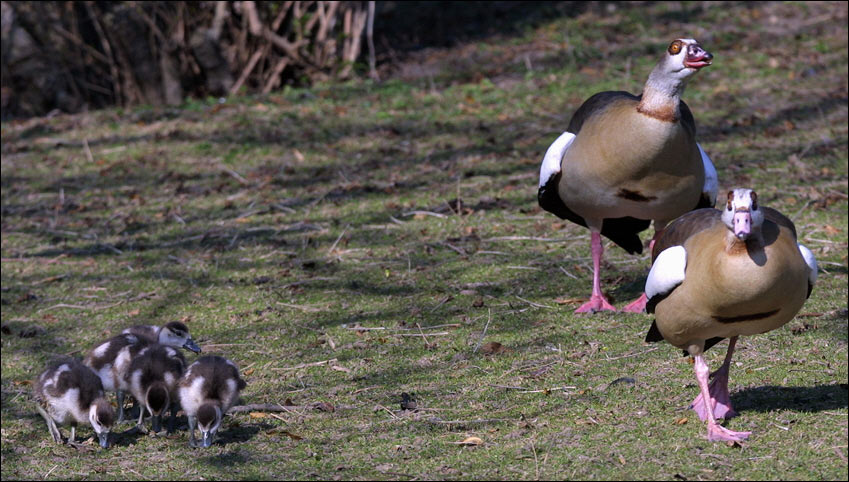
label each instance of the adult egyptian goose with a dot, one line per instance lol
(174, 334)
(111, 359)
(722, 274)
(68, 392)
(209, 388)
(152, 377)
(626, 160)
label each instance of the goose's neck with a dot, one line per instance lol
(662, 96)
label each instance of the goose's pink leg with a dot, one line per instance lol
(639, 305)
(715, 430)
(720, 401)
(597, 301)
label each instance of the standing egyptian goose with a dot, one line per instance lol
(152, 377)
(626, 160)
(110, 361)
(174, 334)
(209, 388)
(722, 274)
(68, 392)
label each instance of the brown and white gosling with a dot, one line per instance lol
(111, 359)
(152, 377)
(174, 334)
(209, 388)
(68, 392)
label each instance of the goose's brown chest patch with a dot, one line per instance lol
(634, 196)
(665, 113)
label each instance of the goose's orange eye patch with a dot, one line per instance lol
(675, 47)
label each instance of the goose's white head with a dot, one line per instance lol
(176, 334)
(685, 54)
(741, 213)
(683, 58)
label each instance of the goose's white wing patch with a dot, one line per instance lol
(553, 157)
(667, 272)
(811, 262)
(711, 186)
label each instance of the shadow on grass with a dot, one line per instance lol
(225, 461)
(241, 433)
(803, 399)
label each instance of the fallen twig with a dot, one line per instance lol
(87, 151)
(567, 273)
(265, 407)
(304, 365)
(376, 328)
(333, 246)
(489, 318)
(80, 307)
(466, 422)
(388, 411)
(546, 390)
(524, 238)
(426, 213)
(459, 251)
(534, 304)
(442, 302)
(427, 343)
(632, 354)
(235, 175)
(443, 333)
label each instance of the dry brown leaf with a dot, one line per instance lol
(258, 415)
(831, 229)
(493, 348)
(340, 368)
(469, 441)
(134, 312)
(681, 421)
(248, 372)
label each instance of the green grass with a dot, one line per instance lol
(276, 225)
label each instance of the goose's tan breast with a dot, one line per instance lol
(741, 291)
(626, 163)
